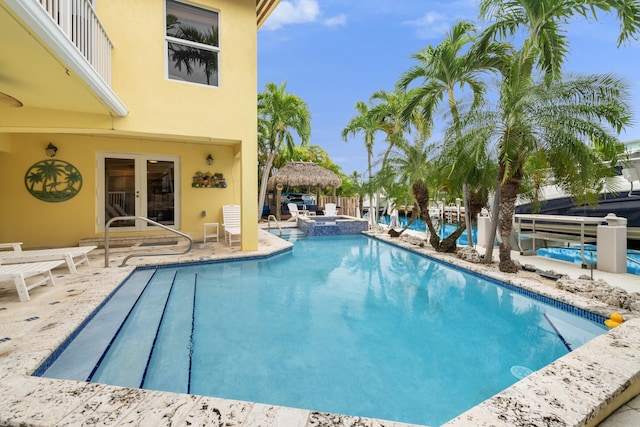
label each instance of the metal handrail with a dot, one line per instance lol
(129, 218)
(277, 223)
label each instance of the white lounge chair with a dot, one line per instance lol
(330, 209)
(231, 223)
(294, 211)
(18, 256)
(20, 272)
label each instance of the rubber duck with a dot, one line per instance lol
(615, 319)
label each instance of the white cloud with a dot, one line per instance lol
(336, 20)
(431, 25)
(293, 12)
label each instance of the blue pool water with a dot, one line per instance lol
(343, 324)
(445, 230)
(572, 254)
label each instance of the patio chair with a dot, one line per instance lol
(20, 272)
(18, 256)
(330, 209)
(231, 223)
(294, 211)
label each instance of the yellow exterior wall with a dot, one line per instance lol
(40, 224)
(165, 117)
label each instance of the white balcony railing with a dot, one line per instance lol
(78, 20)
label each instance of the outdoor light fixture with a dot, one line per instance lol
(209, 160)
(51, 150)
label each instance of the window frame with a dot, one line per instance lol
(189, 43)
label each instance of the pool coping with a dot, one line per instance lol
(578, 389)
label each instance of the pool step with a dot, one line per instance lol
(169, 365)
(290, 234)
(122, 364)
(81, 352)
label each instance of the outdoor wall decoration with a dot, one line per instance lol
(53, 180)
(208, 180)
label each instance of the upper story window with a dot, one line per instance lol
(192, 43)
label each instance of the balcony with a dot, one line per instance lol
(78, 20)
(58, 58)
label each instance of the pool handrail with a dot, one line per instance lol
(277, 223)
(150, 221)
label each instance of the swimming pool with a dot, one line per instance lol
(444, 229)
(344, 324)
(572, 254)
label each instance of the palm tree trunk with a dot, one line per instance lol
(491, 236)
(415, 213)
(467, 213)
(263, 183)
(508, 195)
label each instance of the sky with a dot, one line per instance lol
(334, 53)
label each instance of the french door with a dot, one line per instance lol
(138, 185)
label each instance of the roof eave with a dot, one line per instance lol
(264, 9)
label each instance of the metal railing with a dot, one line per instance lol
(79, 21)
(277, 223)
(129, 218)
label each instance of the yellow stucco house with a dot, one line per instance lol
(119, 107)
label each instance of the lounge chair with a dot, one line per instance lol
(330, 209)
(18, 256)
(231, 223)
(294, 211)
(20, 272)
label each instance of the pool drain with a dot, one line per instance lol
(520, 371)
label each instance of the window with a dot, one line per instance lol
(192, 43)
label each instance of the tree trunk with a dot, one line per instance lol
(414, 215)
(421, 193)
(263, 184)
(491, 236)
(508, 195)
(467, 213)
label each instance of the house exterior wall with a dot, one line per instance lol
(165, 117)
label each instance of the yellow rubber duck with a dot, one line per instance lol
(615, 319)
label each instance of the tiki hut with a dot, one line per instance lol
(302, 174)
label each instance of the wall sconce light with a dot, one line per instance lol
(51, 150)
(209, 160)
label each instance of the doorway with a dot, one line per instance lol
(138, 185)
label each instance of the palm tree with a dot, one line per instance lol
(280, 114)
(544, 48)
(367, 124)
(448, 66)
(553, 121)
(412, 164)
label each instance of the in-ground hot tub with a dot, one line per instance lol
(332, 225)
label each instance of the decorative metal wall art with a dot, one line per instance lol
(53, 180)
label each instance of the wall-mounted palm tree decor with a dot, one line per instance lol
(53, 180)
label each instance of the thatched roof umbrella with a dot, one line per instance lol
(302, 174)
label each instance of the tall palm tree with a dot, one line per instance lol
(280, 114)
(553, 120)
(545, 48)
(414, 167)
(368, 124)
(454, 63)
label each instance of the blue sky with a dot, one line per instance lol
(333, 53)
